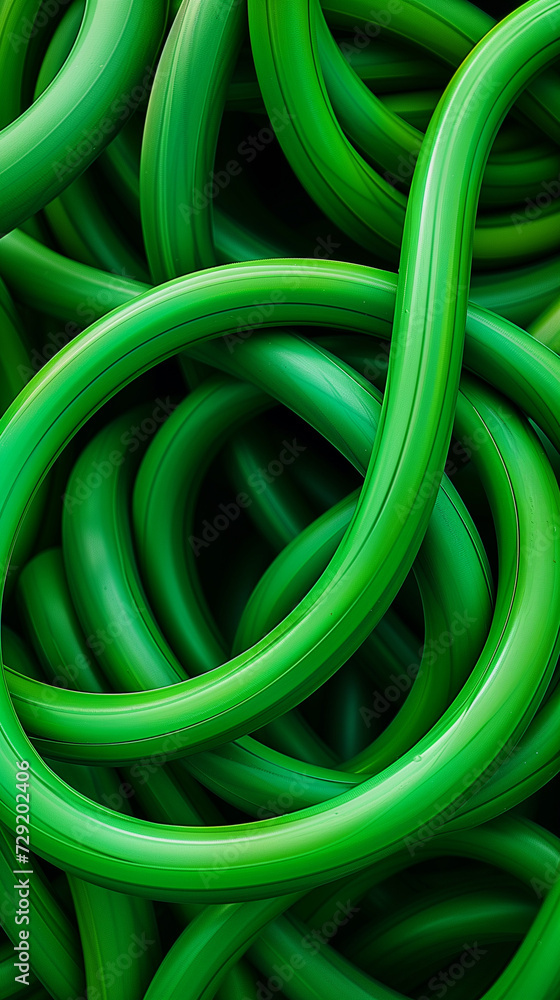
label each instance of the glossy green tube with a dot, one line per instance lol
(163, 797)
(65, 288)
(61, 287)
(54, 626)
(434, 688)
(364, 204)
(106, 608)
(81, 222)
(117, 621)
(535, 768)
(190, 87)
(191, 626)
(546, 327)
(119, 939)
(177, 206)
(18, 654)
(115, 618)
(278, 513)
(387, 68)
(7, 986)
(14, 368)
(109, 923)
(173, 578)
(531, 391)
(449, 31)
(56, 959)
(15, 44)
(64, 128)
(428, 933)
(195, 966)
(324, 269)
(15, 356)
(216, 935)
(393, 144)
(61, 44)
(427, 353)
(78, 217)
(539, 384)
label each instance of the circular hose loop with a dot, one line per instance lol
(115, 357)
(120, 361)
(279, 498)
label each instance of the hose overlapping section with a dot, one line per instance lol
(279, 505)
